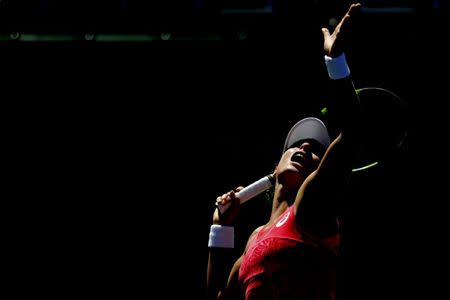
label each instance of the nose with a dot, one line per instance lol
(305, 146)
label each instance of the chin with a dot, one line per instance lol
(291, 177)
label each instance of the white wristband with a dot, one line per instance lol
(221, 236)
(337, 67)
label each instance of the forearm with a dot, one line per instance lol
(344, 108)
(220, 262)
(220, 259)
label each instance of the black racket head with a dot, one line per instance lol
(384, 126)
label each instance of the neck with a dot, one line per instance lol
(282, 199)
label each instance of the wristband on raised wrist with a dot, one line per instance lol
(337, 67)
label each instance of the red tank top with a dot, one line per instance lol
(282, 263)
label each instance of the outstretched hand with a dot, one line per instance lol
(334, 44)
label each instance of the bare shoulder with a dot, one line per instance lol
(255, 232)
(253, 235)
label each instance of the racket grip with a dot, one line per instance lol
(250, 191)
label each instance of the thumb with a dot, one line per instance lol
(325, 32)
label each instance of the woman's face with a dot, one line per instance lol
(298, 162)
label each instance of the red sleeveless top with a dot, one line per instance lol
(283, 263)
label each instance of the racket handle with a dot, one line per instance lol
(251, 191)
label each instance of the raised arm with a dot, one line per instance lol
(345, 103)
(316, 200)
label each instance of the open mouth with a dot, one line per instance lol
(298, 157)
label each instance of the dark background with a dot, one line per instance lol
(119, 148)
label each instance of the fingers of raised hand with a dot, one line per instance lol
(353, 8)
